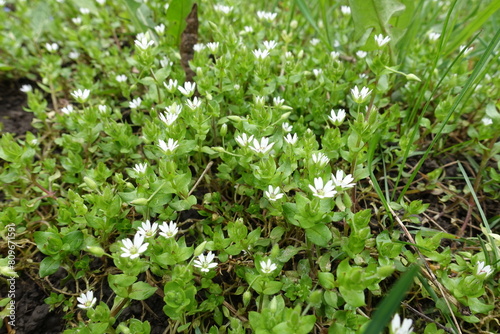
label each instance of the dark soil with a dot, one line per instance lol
(14, 119)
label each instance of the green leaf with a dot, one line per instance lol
(374, 14)
(177, 12)
(326, 280)
(319, 235)
(72, 241)
(142, 291)
(354, 298)
(139, 14)
(48, 266)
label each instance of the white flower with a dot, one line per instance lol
(360, 96)
(259, 100)
(346, 10)
(86, 300)
(102, 108)
(467, 50)
(160, 29)
(101, 2)
(84, 11)
(248, 29)
(174, 108)
(483, 270)
(273, 194)
(168, 118)
(134, 249)
(213, 46)
(169, 230)
(434, 36)
(223, 9)
(278, 101)
(291, 139)
(266, 16)
(143, 42)
(164, 62)
(243, 139)
(320, 158)
(193, 104)
(77, 20)
(269, 45)
(381, 40)
(81, 95)
(337, 117)
(334, 55)
(188, 89)
(147, 230)
(315, 41)
(267, 267)
(52, 47)
(401, 328)
(317, 72)
(343, 181)
(205, 263)
(121, 78)
(260, 54)
(171, 86)
(261, 147)
(361, 54)
(198, 47)
(135, 103)
(487, 121)
(286, 127)
(168, 146)
(73, 55)
(140, 168)
(26, 88)
(321, 190)
(68, 109)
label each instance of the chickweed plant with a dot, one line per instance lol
(332, 166)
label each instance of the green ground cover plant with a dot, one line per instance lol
(304, 167)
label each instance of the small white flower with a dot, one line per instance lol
(81, 95)
(164, 62)
(291, 139)
(134, 249)
(359, 96)
(68, 109)
(77, 20)
(434, 36)
(288, 55)
(243, 139)
(168, 118)
(168, 146)
(286, 127)
(199, 47)
(86, 300)
(223, 9)
(261, 147)
(487, 121)
(315, 41)
(188, 88)
(101, 2)
(160, 29)
(381, 40)
(169, 230)
(205, 263)
(140, 168)
(278, 101)
(361, 54)
(273, 194)
(467, 50)
(266, 16)
(102, 108)
(346, 10)
(317, 72)
(247, 29)
(401, 328)
(269, 45)
(52, 47)
(334, 55)
(171, 86)
(73, 55)
(267, 267)
(174, 108)
(121, 78)
(135, 103)
(143, 42)
(213, 46)
(259, 101)
(26, 88)
(337, 117)
(322, 190)
(320, 158)
(194, 104)
(84, 11)
(483, 269)
(340, 180)
(146, 229)
(260, 54)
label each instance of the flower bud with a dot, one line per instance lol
(247, 296)
(140, 201)
(223, 130)
(201, 247)
(95, 250)
(90, 183)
